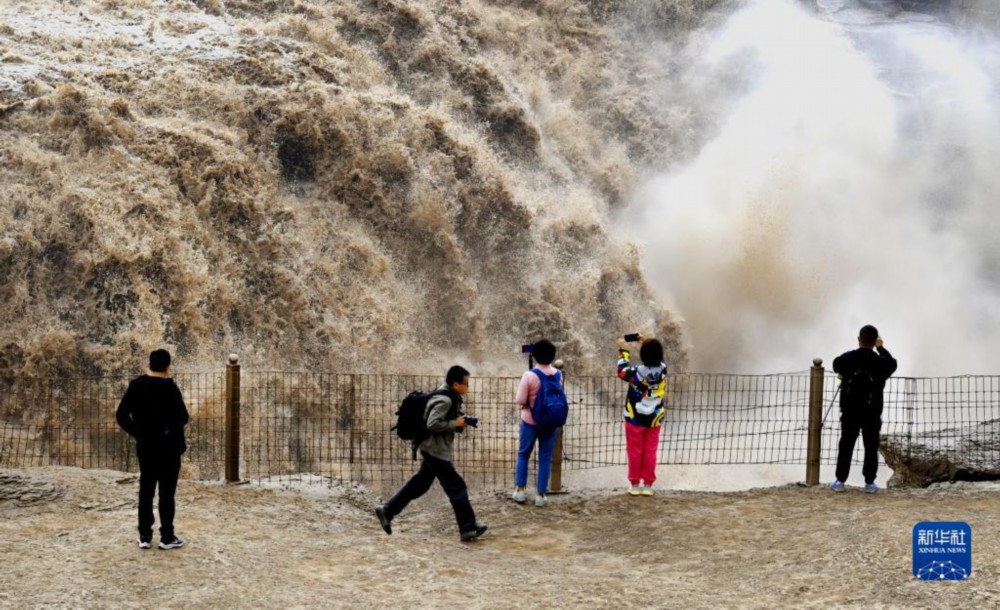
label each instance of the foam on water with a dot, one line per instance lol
(845, 175)
(401, 185)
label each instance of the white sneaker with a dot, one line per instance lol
(634, 490)
(647, 491)
(519, 496)
(541, 500)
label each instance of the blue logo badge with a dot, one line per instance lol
(942, 550)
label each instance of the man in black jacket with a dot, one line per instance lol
(863, 373)
(153, 412)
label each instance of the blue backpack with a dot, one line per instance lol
(551, 407)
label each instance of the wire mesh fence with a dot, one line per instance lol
(711, 419)
(955, 416)
(71, 422)
(329, 426)
(338, 425)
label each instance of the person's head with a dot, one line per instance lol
(544, 351)
(159, 361)
(457, 379)
(867, 336)
(651, 352)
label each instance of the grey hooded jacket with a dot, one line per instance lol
(440, 416)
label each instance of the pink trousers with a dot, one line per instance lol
(641, 443)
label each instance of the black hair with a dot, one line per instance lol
(544, 351)
(867, 335)
(651, 352)
(159, 360)
(456, 374)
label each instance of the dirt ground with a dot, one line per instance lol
(68, 539)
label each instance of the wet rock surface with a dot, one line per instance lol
(970, 453)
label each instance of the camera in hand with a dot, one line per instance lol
(632, 337)
(527, 348)
(471, 420)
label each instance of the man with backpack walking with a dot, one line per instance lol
(863, 374)
(544, 409)
(443, 417)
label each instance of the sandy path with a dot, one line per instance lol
(68, 541)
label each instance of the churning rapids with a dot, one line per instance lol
(401, 184)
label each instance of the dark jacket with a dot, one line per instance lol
(152, 410)
(442, 410)
(878, 362)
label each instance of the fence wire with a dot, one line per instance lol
(955, 418)
(329, 426)
(71, 422)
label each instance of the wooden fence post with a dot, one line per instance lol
(555, 481)
(815, 421)
(352, 459)
(555, 478)
(232, 456)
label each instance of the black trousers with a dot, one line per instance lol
(454, 487)
(869, 429)
(157, 468)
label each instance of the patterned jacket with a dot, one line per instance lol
(644, 403)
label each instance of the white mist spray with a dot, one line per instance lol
(849, 178)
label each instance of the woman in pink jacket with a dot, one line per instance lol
(544, 352)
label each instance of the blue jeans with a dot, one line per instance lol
(546, 443)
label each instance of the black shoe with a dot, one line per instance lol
(385, 521)
(471, 535)
(144, 542)
(172, 543)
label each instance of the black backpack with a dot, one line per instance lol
(411, 418)
(858, 392)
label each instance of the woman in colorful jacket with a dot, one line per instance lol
(644, 410)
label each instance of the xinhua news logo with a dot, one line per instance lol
(942, 550)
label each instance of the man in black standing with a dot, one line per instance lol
(443, 416)
(863, 373)
(153, 412)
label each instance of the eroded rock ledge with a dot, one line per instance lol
(21, 490)
(967, 453)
